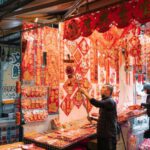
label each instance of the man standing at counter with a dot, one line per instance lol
(107, 122)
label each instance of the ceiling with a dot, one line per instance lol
(14, 12)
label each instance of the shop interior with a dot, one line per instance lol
(50, 49)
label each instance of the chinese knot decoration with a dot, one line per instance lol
(120, 15)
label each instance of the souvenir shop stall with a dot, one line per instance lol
(106, 46)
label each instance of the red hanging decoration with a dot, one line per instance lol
(102, 21)
(67, 105)
(78, 99)
(121, 15)
(72, 29)
(142, 11)
(135, 45)
(87, 25)
(53, 100)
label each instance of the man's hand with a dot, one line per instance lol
(84, 92)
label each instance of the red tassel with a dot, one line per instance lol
(129, 78)
(126, 78)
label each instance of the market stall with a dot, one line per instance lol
(106, 46)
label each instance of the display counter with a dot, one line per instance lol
(68, 137)
(129, 113)
(63, 138)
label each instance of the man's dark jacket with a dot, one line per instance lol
(147, 104)
(107, 122)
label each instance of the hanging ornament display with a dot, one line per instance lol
(102, 21)
(121, 16)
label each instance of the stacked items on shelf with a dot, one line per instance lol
(20, 146)
(145, 145)
(64, 137)
(34, 103)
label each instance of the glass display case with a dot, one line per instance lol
(138, 125)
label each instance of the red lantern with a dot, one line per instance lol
(142, 11)
(121, 15)
(102, 21)
(72, 29)
(87, 23)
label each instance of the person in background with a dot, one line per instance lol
(107, 122)
(146, 105)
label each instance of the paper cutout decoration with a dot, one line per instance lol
(53, 100)
(70, 85)
(83, 46)
(78, 99)
(67, 105)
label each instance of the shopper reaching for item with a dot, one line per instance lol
(107, 122)
(146, 105)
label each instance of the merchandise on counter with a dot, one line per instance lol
(131, 111)
(55, 123)
(33, 135)
(60, 143)
(64, 137)
(135, 107)
(145, 145)
(20, 146)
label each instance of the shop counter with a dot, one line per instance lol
(66, 139)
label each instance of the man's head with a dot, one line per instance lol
(106, 90)
(146, 88)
